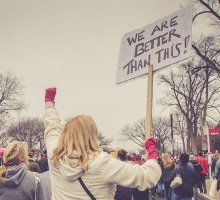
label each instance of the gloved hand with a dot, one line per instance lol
(50, 94)
(151, 147)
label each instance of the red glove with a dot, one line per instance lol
(151, 147)
(50, 94)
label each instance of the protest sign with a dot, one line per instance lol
(160, 44)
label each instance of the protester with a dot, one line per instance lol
(1, 155)
(16, 182)
(188, 176)
(217, 174)
(217, 165)
(128, 158)
(214, 161)
(204, 164)
(167, 168)
(137, 195)
(75, 158)
(33, 165)
(160, 184)
(123, 193)
(43, 162)
(198, 169)
(138, 160)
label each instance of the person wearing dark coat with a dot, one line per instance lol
(214, 161)
(139, 195)
(122, 193)
(43, 163)
(188, 176)
(198, 170)
(33, 165)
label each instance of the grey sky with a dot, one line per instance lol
(74, 45)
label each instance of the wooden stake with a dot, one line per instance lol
(148, 122)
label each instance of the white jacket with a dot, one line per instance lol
(103, 174)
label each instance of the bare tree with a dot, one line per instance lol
(179, 127)
(208, 9)
(104, 141)
(161, 130)
(134, 133)
(3, 139)
(11, 91)
(208, 48)
(187, 92)
(28, 130)
(3, 120)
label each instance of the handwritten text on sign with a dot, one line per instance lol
(162, 43)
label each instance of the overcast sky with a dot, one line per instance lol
(74, 45)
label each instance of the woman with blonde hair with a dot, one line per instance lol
(80, 169)
(167, 168)
(16, 182)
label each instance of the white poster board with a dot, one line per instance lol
(161, 43)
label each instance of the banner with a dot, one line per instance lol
(214, 130)
(161, 43)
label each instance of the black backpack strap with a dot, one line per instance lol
(86, 189)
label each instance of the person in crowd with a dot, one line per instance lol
(217, 165)
(214, 161)
(217, 174)
(188, 176)
(16, 182)
(138, 160)
(204, 164)
(123, 193)
(1, 155)
(79, 168)
(160, 184)
(137, 195)
(198, 169)
(167, 168)
(128, 159)
(133, 157)
(43, 162)
(33, 165)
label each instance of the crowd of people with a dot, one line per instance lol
(193, 170)
(74, 167)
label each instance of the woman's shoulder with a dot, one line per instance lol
(105, 160)
(102, 157)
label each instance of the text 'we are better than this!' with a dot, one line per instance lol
(162, 43)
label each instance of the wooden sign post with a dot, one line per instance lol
(148, 122)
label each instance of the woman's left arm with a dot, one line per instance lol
(52, 124)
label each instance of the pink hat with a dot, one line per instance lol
(1, 151)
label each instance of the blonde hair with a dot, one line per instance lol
(78, 141)
(15, 154)
(167, 161)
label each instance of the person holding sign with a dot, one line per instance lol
(79, 169)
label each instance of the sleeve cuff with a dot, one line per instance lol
(49, 104)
